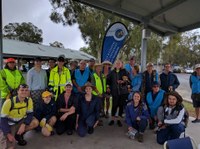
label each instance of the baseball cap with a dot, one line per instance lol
(61, 58)
(68, 83)
(46, 94)
(9, 60)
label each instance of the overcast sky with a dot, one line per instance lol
(38, 12)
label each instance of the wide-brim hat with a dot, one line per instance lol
(197, 66)
(88, 84)
(107, 63)
(97, 64)
(149, 64)
(177, 95)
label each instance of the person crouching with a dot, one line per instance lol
(45, 112)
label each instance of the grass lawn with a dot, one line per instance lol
(190, 108)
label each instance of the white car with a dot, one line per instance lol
(189, 70)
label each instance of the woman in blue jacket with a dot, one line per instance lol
(137, 117)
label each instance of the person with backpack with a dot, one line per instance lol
(10, 79)
(136, 117)
(171, 120)
(17, 118)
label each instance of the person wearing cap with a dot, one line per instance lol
(129, 66)
(90, 66)
(171, 118)
(58, 77)
(118, 82)
(17, 118)
(169, 81)
(37, 80)
(154, 100)
(45, 113)
(80, 77)
(88, 111)
(10, 79)
(66, 105)
(195, 86)
(106, 70)
(52, 64)
(148, 77)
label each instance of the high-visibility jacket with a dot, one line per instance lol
(100, 84)
(57, 80)
(10, 80)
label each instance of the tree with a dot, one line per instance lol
(56, 44)
(23, 32)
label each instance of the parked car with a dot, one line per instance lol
(177, 69)
(189, 70)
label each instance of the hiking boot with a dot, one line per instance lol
(111, 123)
(196, 121)
(20, 140)
(90, 130)
(140, 137)
(119, 123)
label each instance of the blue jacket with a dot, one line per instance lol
(154, 103)
(86, 109)
(133, 112)
(195, 83)
(167, 80)
(136, 82)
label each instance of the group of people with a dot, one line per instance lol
(75, 98)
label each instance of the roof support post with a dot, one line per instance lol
(145, 36)
(1, 37)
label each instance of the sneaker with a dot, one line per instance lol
(196, 121)
(140, 137)
(111, 123)
(90, 130)
(20, 140)
(119, 123)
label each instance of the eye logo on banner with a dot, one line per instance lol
(113, 41)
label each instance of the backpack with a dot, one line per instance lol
(12, 104)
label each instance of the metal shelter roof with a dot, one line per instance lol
(161, 16)
(22, 49)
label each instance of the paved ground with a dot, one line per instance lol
(104, 137)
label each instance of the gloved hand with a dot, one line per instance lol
(49, 128)
(43, 122)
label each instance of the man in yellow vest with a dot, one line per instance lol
(58, 77)
(99, 81)
(16, 118)
(10, 79)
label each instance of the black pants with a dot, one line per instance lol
(67, 124)
(118, 101)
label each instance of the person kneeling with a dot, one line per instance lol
(88, 111)
(45, 112)
(136, 117)
(17, 118)
(171, 118)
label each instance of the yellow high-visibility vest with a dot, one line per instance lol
(100, 84)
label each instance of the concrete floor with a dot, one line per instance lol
(104, 137)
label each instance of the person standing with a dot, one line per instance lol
(10, 79)
(106, 70)
(169, 81)
(118, 81)
(80, 77)
(129, 66)
(37, 80)
(52, 64)
(195, 86)
(58, 77)
(148, 77)
(90, 66)
(16, 118)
